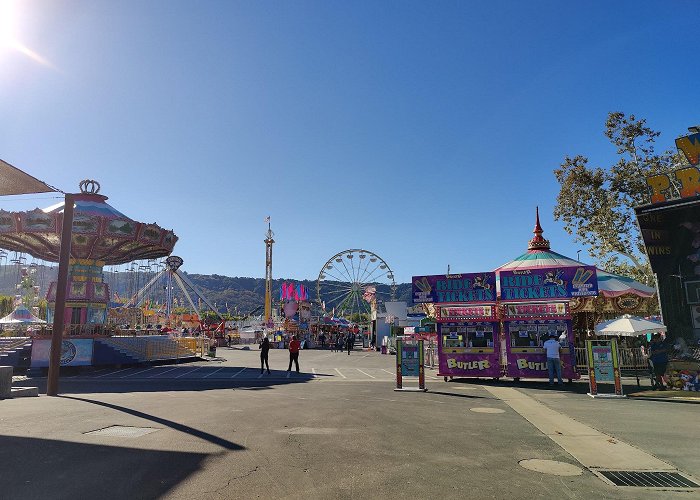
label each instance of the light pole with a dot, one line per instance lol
(578, 255)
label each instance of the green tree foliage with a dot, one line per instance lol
(597, 204)
(6, 305)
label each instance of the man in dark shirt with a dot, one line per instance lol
(658, 355)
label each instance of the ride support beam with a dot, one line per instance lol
(60, 307)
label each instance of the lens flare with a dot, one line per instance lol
(9, 26)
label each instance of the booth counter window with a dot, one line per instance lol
(534, 336)
(479, 336)
(454, 337)
(476, 339)
(526, 335)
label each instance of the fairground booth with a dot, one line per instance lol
(494, 324)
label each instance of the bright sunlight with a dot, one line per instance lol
(9, 21)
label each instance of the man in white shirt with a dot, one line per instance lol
(552, 347)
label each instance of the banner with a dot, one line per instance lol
(549, 283)
(473, 287)
(74, 352)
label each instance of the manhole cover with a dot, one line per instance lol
(647, 479)
(551, 467)
(122, 431)
(486, 409)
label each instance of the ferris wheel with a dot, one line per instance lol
(352, 282)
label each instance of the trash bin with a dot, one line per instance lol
(383, 349)
(212, 350)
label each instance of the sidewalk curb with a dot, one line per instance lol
(667, 400)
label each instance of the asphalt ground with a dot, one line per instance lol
(217, 429)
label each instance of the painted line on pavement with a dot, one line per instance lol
(164, 371)
(592, 448)
(339, 373)
(370, 376)
(239, 372)
(213, 372)
(313, 372)
(112, 373)
(144, 370)
(191, 371)
(390, 373)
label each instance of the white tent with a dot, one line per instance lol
(19, 316)
(628, 326)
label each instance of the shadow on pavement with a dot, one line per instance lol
(226, 379)
(468, 396)
(167, 423)
(46, 468)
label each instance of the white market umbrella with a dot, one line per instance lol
(628, 326)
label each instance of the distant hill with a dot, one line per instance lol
(237, 294)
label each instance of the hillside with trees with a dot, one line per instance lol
(238, 296)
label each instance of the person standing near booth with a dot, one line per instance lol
(552, 348)
(658, 355)
(294, 346)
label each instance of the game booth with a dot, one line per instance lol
(494, 324)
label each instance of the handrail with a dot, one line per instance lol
(630, 358)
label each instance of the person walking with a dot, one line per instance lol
(552, 347)
(264, 352)
(658, 355)
(349, 342)
(294, 346)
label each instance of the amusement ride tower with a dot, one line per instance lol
(268, 274)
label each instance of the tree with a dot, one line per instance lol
(597, 204)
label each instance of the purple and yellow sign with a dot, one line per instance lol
(551, 283)
(473, 287)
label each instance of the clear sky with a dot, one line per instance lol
(426, 132)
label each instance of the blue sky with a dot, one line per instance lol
(426, 132)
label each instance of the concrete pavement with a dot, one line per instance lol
(338, 430)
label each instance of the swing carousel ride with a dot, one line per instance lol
(167, 300)
(101, 236)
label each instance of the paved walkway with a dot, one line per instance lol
(217, 429)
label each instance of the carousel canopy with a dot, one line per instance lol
(100, 232)
(20, 315)
(540, 255)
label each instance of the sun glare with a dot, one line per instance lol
(9, 27)
(8, 24)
